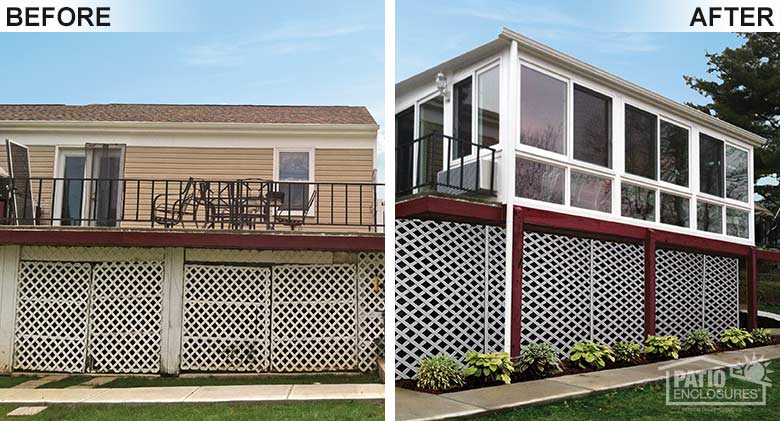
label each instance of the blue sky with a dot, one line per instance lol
(252, 52)
(435, 30)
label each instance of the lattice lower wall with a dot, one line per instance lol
(577, 289)
(51, 316)
(450, 290)
(695, 291)
(105, 314)
(97, 317)
(226, 320)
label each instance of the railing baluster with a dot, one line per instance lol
(153, 210)
(53, 196)
(492, 170)
(476, 177)
(137, 198)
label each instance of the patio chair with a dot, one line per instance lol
(170, 215)
(285, 216)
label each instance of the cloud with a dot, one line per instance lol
(510, 12)
(286, 39)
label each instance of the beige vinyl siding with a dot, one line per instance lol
(41, 165)
(334, 166)
(173, 163)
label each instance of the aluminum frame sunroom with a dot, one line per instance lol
(610, 209)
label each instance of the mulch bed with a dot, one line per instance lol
(568, 367)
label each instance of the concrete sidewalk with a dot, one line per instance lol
(194, 394)
(411, 405)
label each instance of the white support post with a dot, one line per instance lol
(508, 173)
(173, 289)
(9, 265)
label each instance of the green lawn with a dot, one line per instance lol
(319, 410)
(11, 381)
(646, 403)
(242, 380)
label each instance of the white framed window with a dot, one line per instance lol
(651, 162)
(476, 111)
(89, 186)
(293, 169)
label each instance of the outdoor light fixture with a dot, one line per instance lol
(441, 86)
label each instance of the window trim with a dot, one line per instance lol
(726, 144)
(311, 151)
(612, 123)
(567, 113)
(474, 73)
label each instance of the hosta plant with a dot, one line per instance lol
(627, 352)
(735, 338)
(699, 340)
(662, 347)
(496, 366)
(761, 336)
(539, 360)
(439, 372)
(589, 354)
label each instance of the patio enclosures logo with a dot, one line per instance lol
(737, 385)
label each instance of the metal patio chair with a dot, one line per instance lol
(171, 214)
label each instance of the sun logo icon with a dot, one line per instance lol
(753, 370)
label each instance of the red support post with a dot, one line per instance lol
(752, 289)
(650, 283)
(517, 280)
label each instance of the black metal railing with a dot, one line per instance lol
(441, 163)
(242, 204)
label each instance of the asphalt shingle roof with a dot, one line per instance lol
(257, 114)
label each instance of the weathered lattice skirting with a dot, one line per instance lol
(109, 312)
(450, 290)
(577, 289)
(695, 291)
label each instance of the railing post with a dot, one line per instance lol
(173, 289)
(752, 288)
(9, 264)
(650, 283)
(517, 281)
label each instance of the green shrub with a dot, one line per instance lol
(590, 354)
(662, 347)
(439, 372)
(761, 336)
(699, 340)
(541, 360)
(627, 352)
(496, 366)
(735, 338)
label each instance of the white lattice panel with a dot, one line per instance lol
(126, 314)
(618, 292)
(445, 286)
(721, 292)
(679, 288)
(91, 254)
(496, 289)
(556, 290)
(371, 308)
(51, 316)
(226, 320)
(314, 318)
